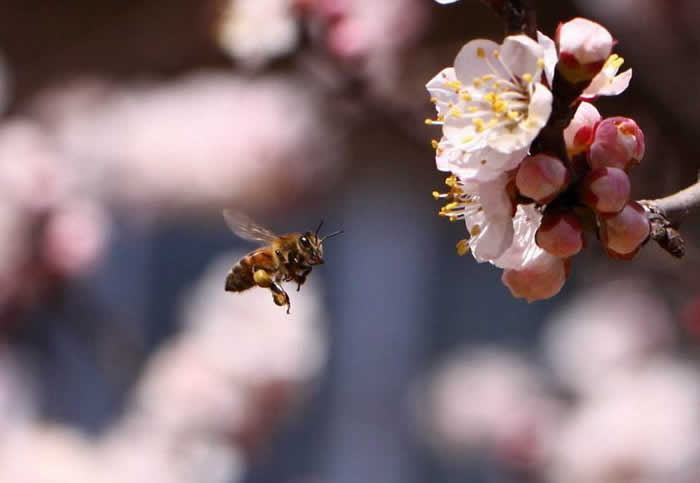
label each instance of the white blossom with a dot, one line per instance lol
(492, 105)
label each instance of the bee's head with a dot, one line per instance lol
(311, 244)
(312, 247)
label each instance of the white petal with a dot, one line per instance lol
(486, 164)
(540, 107)
(476, 59)
(494, 197)
(550, 55)
(443, 94)
(605, 85)
(521, 54)
(523, 250)
(493, 240)
(446, 156)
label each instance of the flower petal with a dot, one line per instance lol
(485, 164)
(523, 250)
(476, 59)
(550, 55)
(605, 84)
(523, 56)
(441, 93)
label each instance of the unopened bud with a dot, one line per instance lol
(618, 143)
(623, 233)
(578, 135)
(584, 46)
(560, 234)
(538, 281)
(541, 177)
(606, 190)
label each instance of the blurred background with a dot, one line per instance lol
(127, 126)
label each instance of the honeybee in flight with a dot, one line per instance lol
(284, 258)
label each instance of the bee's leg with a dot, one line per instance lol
(263, 278)
(300, 278)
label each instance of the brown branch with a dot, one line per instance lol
(666, 215)
(519, 15)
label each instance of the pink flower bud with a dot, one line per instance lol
(541, 177)
(578, 135)
(560, 234)
(584, 46)
(623, 233)
(606, 190)
(618, 143)
(539, 280)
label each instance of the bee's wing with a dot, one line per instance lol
(246, 228)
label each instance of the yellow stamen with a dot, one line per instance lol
(527, 77)
(455, 112)
(451, 181)
(475, 230)
(467, 139)
(540, 63)
(454, 84)
(436, 195)
(434, 143)
(479, 123)
(500, 106)
(429, 121)
(477, 82)
(480, 53)
(487, 77)
(433, 100)
(465, 96)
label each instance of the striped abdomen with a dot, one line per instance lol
(240, 277)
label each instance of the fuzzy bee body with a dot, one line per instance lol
(285, 258)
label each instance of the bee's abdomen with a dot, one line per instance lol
(240, 277)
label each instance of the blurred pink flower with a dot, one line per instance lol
(642, 429)
(607, 332)
(211, 139)
(75, 236)
(490, 399)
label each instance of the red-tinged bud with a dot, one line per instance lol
(540, 280)
(584, 46)
(578, 135)
(606, 190)
(618, 143)
(560, 234)
(623, 233)
(541, 177)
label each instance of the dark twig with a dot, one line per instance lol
(519, 15)
(666, 215)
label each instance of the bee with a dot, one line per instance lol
(283, 258)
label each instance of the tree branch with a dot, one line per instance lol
(519, 15)
(666, 215)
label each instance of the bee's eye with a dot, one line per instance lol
(305, 242)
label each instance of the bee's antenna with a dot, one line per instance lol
(319, 228)
(336, 233)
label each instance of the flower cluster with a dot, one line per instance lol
(525, 199)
